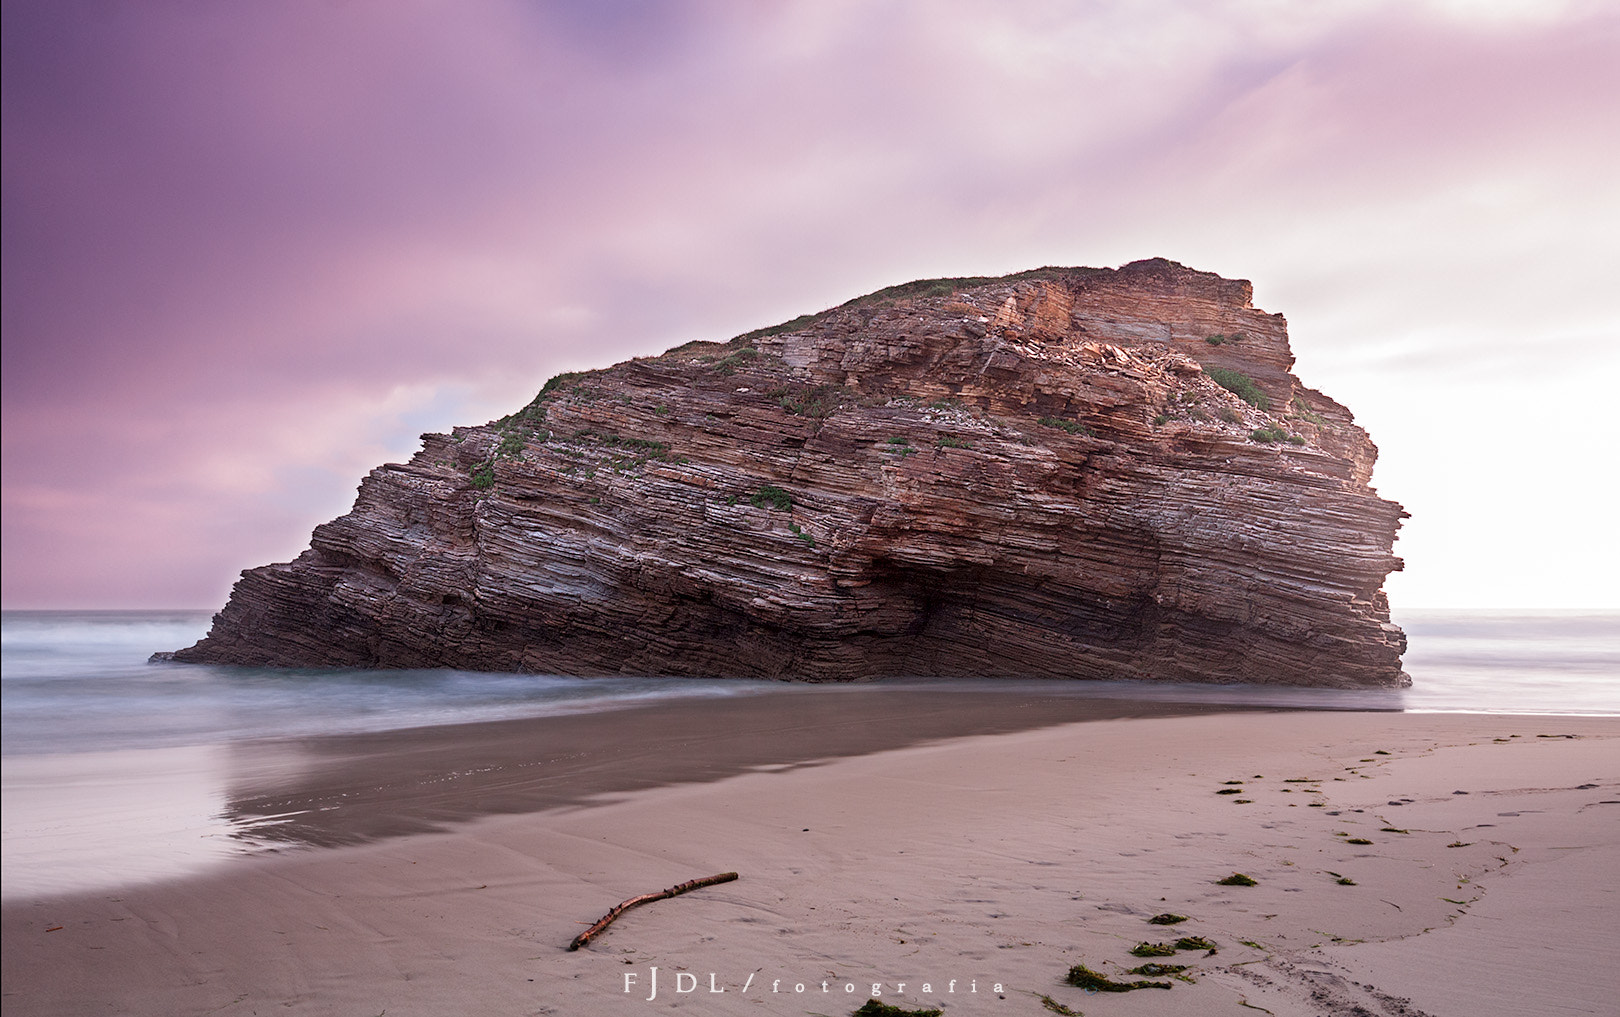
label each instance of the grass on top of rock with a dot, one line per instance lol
(1071, 426)
(530, 417)
(528, 422)
(512, 443)
(1304, 412)
(819, 402)
(791, 325)
(1085, 978)
(922, 289)
(1240, 385)
(950, 441)
(773, 496)
(729, 364)
(556, 382)
(1272, 433)
(635, 452)
(917, 289)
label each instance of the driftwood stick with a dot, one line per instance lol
(674, 891)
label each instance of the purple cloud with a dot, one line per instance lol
(252, 250)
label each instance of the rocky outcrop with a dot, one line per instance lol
(1081, 473)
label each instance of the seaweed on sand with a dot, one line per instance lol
(1158, 969)
(873, 1008)
(1085, 978)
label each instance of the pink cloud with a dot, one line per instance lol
(222, 219)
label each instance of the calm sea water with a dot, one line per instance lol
(95, 738)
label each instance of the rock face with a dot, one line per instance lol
(1084, 473)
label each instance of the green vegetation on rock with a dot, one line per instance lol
(773, 496)
(1272, 433)
(1240, 385)
(821, 401)
(1304, 412)
(1071, 426)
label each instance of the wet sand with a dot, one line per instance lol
(354, 788)
(982, 842)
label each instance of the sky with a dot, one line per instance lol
(252, 251)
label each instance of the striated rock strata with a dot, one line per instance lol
(1037, 475)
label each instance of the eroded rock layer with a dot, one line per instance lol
(1083, 473)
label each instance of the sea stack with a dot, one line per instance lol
(1063, 473)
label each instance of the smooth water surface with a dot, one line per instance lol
(117, 769)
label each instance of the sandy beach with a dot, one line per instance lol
(1403, 863)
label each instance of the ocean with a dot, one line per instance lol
(96, 739)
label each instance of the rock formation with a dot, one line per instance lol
(1067, 472)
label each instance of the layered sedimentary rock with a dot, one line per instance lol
(1083, 473)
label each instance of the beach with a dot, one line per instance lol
(963, 856)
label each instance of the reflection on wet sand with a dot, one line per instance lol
(347, 789)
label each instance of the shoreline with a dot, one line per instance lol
(982, 858)
(214, 804)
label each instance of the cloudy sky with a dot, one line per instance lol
(253, 249)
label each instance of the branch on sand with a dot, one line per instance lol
(674, 891)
